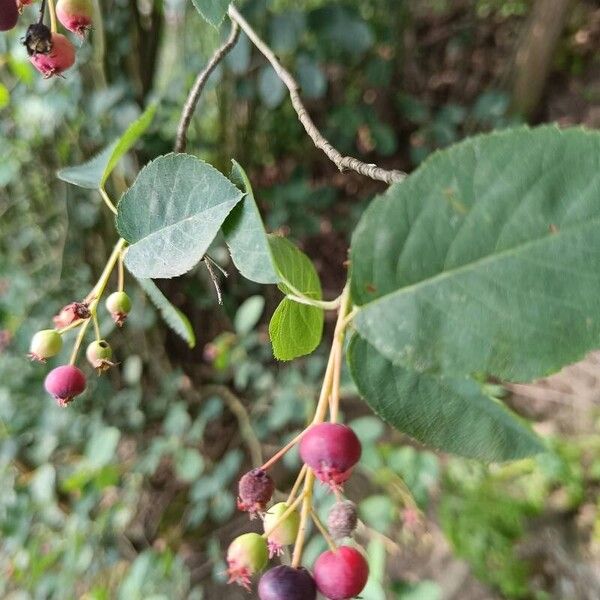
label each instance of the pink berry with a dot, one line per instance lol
(287, 583)
(64, 383)
(75, 15)
(9, 14)
(255, 490)
(59, 59)
(342, 574)
(330, 450)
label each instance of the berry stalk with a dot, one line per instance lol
(52, 11)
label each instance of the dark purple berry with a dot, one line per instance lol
(255, 490)
(287, 583)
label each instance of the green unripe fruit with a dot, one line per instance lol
(118, 305)
(99, 354)
(285, 533)
(246, 556)
(44, 344)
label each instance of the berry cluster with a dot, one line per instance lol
(50, 52)
(67, 381)
(329, 452)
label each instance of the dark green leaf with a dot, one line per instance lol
(246, 236)
(172, 316)
(485, 259)
(172, 213)
(448, 414)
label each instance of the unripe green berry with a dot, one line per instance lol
(246, 556)
(285, 533)
(118, 305)
(44, 344)
(99, 354)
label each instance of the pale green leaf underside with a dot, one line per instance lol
(486, 258)
(93, 173)
(213, 11)
(448, 414)
(172, 213)
(172, 316)
(246, 237)
(88, 175)
(295, 329)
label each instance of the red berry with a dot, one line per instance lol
(9, 14)
(59, 59)
(287, 583)
(75, 15)
(64, 383)
(341, 574)
(255, 490)
(330, 450)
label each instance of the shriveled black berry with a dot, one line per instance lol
(38, 39)
(342, 519)
(287, 583)
(255, 490)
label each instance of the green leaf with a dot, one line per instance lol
(213, 11)
(295, 329)
(248, 315)
(448, 414)
(172, 213)
(172, 316)
(93, 173)
(485, 259)
(246, 236)
(89, 174)
(128, 139)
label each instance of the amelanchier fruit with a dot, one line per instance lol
(64, 383)
(99, 355)
(59, 59)
(247, 555)
(280, 531)
(255, 490)
(118, 305)
(45, 344)
(341, 574)
(287, 583)
(9, 14)
(75, 15)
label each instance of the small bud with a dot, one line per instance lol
(285, 533)
(246, 556)
(45, 344)
(75, 15)
(60, 58)
(255, 490)
(70, 313)
(64, 383)
(118, 305)
(342, 519)
(98, 354)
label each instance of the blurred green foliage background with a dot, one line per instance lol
(130, 493)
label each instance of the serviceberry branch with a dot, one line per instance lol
(343, 163)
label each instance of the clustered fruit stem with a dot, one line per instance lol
(52, 10)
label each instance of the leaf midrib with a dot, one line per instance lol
(490, 258)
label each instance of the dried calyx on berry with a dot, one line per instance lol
(342, 519)
(285, 533)
(247, 555)
(60, 58)
(70, 313)
(75, 15)
(21, 4)
(341, 574)
(287, 583)
(255, 490)
(330, 450)
(45, 344)
(64, 383)
(118, 305)
(99, 354)
(38, 39)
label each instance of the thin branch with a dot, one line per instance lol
(343, 163)
(196, 91)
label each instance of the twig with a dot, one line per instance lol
(343, 163)
(196, 91)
